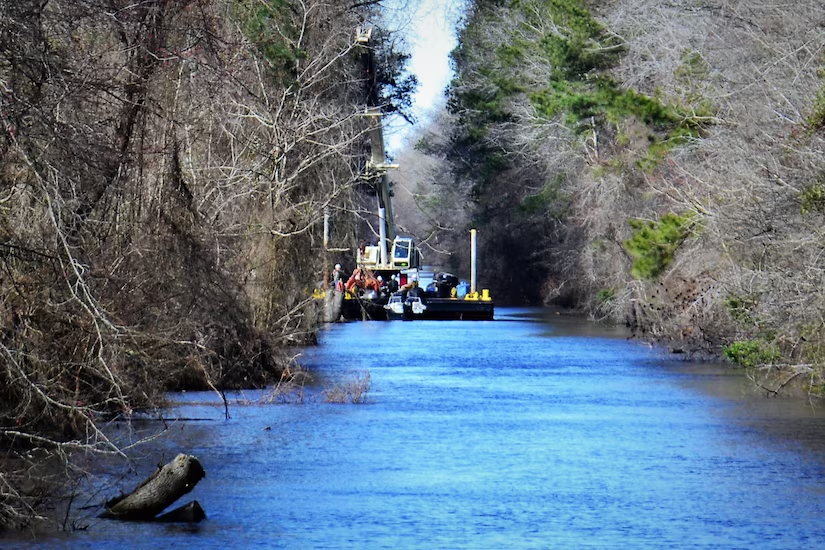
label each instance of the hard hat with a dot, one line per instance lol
(380, 278)
(337, 266)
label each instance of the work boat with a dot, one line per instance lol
(400, 308)
(423, 293)
(445, 298)
(401, 288)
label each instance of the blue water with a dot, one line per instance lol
(531, 431)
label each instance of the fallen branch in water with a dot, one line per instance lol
(166, 485)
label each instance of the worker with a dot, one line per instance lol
(414, 289)
(337, 283)
(392, 284)
(371, 283)
(355, 280)
(411, 284)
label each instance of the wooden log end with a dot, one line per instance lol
(188, 513)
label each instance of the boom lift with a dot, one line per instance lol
(393, 253)
(445, 297)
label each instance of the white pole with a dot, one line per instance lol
(473, 261)
(382, 235)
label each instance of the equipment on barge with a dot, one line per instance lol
(422, 294)
(387, 280)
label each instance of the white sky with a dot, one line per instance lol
(429, 28)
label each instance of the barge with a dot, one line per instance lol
(411, 293)
(440, 309)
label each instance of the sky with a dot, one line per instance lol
(429, 29)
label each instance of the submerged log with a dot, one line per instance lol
(159, 491)
(188, 513)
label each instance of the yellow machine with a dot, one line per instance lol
(403, 255)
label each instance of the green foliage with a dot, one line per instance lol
(266, 24)
(816, 120)
(544, 199)
(606, 295)
(423, 145)
(512, 54)
(693, 67)
(741, 309)
(578, 44)
(812, 199)
(489, 167)
(615, 165)
(395, 86)
(603, 98)
(659, 148)
(578, 93)
(487, 103)
(752, 353)
(654, 242)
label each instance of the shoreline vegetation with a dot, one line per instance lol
(166, 169)
(640, 172)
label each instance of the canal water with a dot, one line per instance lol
(535, 430)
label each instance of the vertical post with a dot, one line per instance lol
(386, 202)
(382, 235)
(325, 283)
(326, 227)
(473, 261)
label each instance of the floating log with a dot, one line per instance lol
(166, 485)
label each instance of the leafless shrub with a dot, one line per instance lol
(161, 179)
(353, 389)
(290, 389)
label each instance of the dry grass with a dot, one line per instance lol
(353, 389)
(293, 389)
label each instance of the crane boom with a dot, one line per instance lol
(404, 254)
(379, 164)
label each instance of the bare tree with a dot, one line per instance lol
(744, 74)
(165, 167)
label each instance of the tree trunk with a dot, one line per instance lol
(332, 306)
(161, 489)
